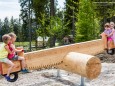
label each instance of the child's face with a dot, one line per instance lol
(9, 40)
(13, 39)
(112, 25)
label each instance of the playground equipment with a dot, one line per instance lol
(77, 58)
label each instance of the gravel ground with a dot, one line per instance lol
(104, 57)
(49, 77)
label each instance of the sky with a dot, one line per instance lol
(9, 8)
(61, 3)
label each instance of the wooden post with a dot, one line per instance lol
(20, 53)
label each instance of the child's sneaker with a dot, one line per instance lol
(25, 71)
(7, 78)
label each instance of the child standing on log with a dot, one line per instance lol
(4, 50)
(108, 32)
(14, 56)
(112, 25)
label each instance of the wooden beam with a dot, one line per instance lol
(63, 58)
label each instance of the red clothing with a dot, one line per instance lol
(10, 56)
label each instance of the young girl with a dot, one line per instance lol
(109, 33)
(112, 25)
(13, 56)
(106, 36)
(111, 36)
(4, 50)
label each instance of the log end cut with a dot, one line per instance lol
(93, 68)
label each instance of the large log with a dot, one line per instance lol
(57, 56)
(54, 56)
(85, 65)
(61, 56)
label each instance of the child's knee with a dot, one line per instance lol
(21, 58)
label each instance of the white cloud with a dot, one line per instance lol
(9, 8)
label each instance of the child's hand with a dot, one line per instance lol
(108, 35)
(22, 50)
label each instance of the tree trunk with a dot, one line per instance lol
(52, 41)
(52, 13)
(52, 10)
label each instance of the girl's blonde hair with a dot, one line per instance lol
(13, 35)
(5, 38)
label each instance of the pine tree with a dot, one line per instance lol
(87, 25)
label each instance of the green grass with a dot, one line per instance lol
(24, 44)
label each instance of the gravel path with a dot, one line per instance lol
(104, 57)
(48, 78)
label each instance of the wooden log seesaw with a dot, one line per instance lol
(76, 58)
